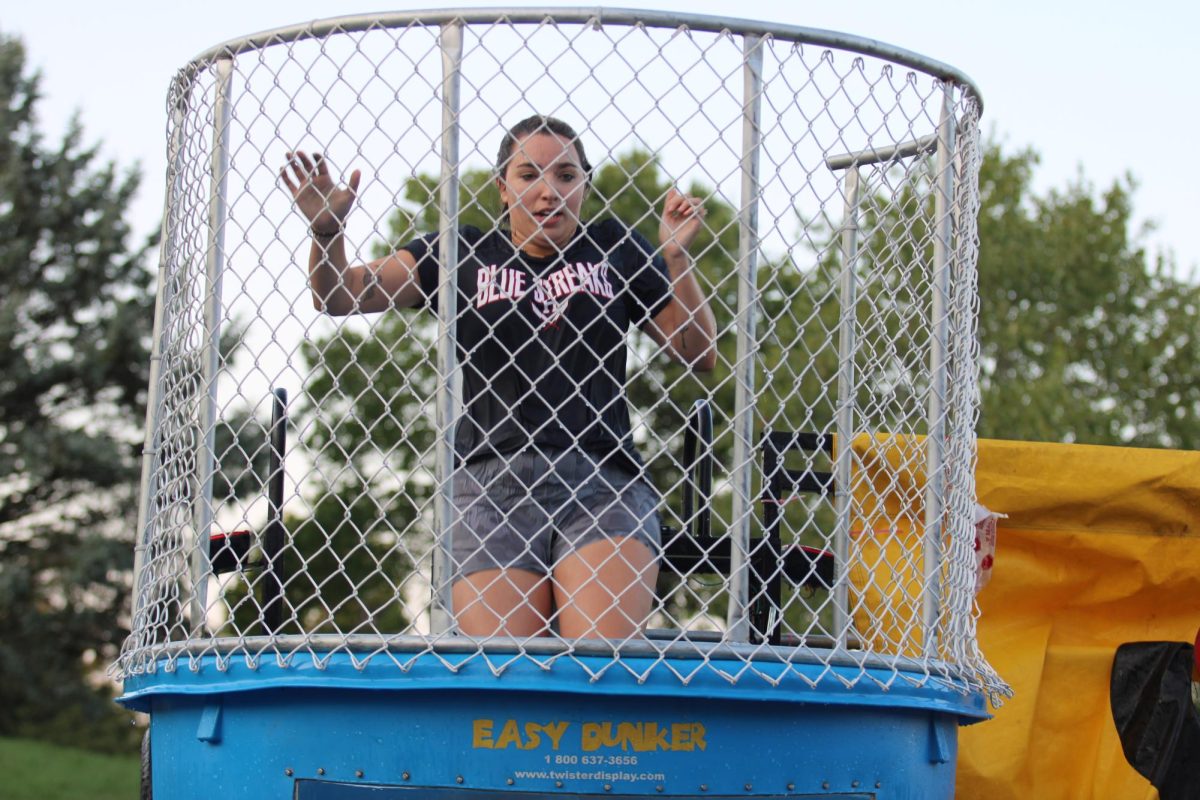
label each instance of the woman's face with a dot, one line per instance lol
(543, 185)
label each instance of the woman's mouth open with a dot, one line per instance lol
(549, 216)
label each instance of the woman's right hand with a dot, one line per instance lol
(322, 202)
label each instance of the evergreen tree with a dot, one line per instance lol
(75, 316)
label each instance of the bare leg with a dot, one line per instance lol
(605, 589)
(503, 602)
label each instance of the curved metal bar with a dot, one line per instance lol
(291, 647)
(592, 16)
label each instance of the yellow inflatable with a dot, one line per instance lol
(1101, 546)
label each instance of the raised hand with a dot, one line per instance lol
(322, 202)
(682, 217)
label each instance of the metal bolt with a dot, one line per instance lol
(824, 784)
(288, 772)
(404, 776)
(558, 784)
(358, 773)
(510, 781)
(853, 784)
(658, 788)
(749, 787)
(320, 770)
(878, 784)
(704, 787)
(608, 787)
(791, 787)
(458, 779)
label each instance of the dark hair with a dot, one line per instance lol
(538, 123)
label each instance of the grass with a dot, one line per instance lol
(38, 771)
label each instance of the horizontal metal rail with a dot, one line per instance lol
(878, 155)
(291, 647)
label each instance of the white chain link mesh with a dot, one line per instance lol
(857, 327)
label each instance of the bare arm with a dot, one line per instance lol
(686, 327)
(338, 288)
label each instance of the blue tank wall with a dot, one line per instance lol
(341, 732)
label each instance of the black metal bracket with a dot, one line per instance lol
(229, 552)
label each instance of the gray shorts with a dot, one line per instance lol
(527, 510)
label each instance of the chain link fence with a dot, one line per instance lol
(308, 488)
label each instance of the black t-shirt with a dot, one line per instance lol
(541, 341)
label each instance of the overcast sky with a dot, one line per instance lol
(1102, 87)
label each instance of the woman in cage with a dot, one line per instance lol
(555, 521)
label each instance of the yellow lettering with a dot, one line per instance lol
(481, 734)
(640, 737)
(555, 730)
(681, 736)
(591, 736)
(653, 737)
(629, 734)
(508, 735)
(598, 734)
(609, 739)
(531, 736)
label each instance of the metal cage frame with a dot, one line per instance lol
(752, 642)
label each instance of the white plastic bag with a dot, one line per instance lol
(985, 545)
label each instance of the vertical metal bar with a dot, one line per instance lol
(698, 471)
(843, 466)
(704, 467)
(767, 568)
(935, 443)
(963, 376)
(448, 395)
(737, 620)
(273, 579)
(206, 465)
(154, 393)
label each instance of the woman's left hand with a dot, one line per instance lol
(682, 217)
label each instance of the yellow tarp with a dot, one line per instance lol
(887, 563)
(1101, 546)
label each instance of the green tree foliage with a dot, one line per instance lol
(75, 312)
(1082, 340)
(1085, 336)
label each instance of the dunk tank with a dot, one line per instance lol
(813, 630)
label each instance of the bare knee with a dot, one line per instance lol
(502, 602)
(605, 589)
